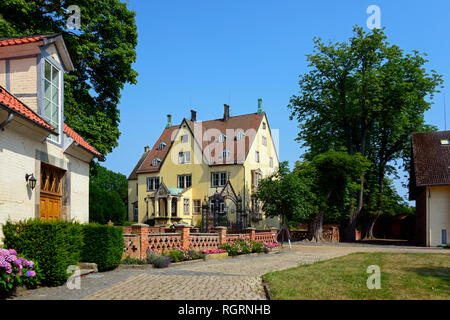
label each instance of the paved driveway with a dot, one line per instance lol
(234, 278)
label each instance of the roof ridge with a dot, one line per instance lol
(42, 35)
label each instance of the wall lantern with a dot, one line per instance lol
(31, 180)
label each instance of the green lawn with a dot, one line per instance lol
(403, 276)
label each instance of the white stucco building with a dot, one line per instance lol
(35, 143)
(430, 186)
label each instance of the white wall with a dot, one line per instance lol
(438, 214)
(18, 157)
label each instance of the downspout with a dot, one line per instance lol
(5, 123)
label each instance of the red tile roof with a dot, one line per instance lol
(248, 123)
(165, 137)
(75, 136)
(212, 149)
(4, 42)
(430, 158)
(12, 103)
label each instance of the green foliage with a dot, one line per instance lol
(102, 52)
(175, 255)
(105, 205)
(365, 96)
(103, 245)
(160, 261)
(240, 246)
(16, 271)
(53, 245)
(285, 193)
(108, 195)
(129, 260)
(109, 180)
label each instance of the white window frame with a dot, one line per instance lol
(257, 156)
(53, 138)
(240, 135)
(151, 183)
(184, 157)
(225, 154)
(222, 138)
(186, 206)
(161, 145)
(184, 178)
(184, 138)
(221, 179)
(155, 162)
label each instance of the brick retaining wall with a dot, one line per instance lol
(140, 237)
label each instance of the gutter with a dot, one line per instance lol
(5, 123)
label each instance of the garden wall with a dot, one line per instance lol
(139, 238)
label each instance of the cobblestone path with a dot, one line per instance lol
(233, 278)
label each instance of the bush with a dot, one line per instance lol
(16, 271)
(176, 255)
(105, 205)
(103, 245)
(257, 247)
(53, 245)
(129, 260)
(243, 247)
(161, 261)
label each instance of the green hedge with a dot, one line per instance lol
(102, 245)
(54, 245)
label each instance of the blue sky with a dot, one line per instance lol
(201, 54)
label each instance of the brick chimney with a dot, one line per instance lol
(146, 148)
(169, 121)
(226, 112)
(193, 115)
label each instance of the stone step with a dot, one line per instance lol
(87, 268)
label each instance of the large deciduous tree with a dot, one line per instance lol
(367, 96)
(286, 195)
(103, 52)
(333, 177)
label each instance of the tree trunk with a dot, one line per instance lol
(369, 234)
(349, 234)
(316, 229)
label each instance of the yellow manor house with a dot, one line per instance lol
(201, 166)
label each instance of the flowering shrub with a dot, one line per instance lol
(178, 255)
(15, 271)
(240, 246)
(212, 251)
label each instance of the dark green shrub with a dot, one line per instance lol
(53, 245)
(103, 245)
(105, 205)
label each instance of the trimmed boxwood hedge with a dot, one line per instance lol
(54, 245)
(103, 245)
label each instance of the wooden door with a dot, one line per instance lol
(51, 192)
